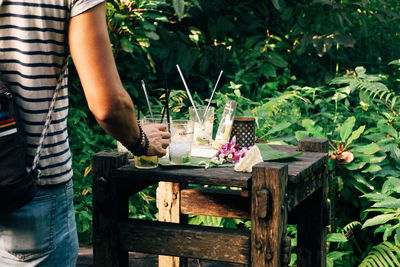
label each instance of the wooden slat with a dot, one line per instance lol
(300, 191)
(298, 169)
(313, 144)
(224, 176)
(168, 204)
(215, 202)
(200, 242)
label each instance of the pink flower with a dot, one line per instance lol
(347, 156)
(230, 151)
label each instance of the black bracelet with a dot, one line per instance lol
(140, 147)
(143, 150)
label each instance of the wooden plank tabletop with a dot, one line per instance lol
(298, 169)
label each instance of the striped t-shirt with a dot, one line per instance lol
(33, 48)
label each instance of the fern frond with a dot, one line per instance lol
(377, 90)
(384, 254)
(350, 227)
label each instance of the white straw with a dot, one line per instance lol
(212, 94)
(147, 99)
(188, 92)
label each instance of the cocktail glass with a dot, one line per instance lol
(203, 129)
(148, 162)
(181, 141)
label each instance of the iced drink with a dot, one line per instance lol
(148, 162)
(181, 141)
(203, 129)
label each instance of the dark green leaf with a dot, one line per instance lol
(346, 128)
(126, 45)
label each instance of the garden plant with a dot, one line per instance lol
(321, 68)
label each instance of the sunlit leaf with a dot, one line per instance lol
(346, 128)
(372, 168)
(355, 165)
(355, 135)
(367, 149)
(390, 204)
(380, 219)
(336, 237)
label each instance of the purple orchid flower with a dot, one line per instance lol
(230, 151)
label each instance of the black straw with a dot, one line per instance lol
(167, 106)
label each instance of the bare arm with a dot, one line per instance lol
(107, 99)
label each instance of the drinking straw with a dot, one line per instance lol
(212, 94)
(167, 93)
(167, 107)
(147, 99)
(188, 92)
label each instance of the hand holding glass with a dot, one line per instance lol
(147, 162)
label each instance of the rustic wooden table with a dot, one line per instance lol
(295, 189)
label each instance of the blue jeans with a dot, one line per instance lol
(42, 233)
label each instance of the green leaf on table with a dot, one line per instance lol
(268, 153)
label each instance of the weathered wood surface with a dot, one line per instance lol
(200, 242)
(311, 229)
(272, 191)
(298, 192)
(137, 259)
(313, 145)
(268, 214)
(168, 204)
(299, 168)
(215, 202)
(109, 206)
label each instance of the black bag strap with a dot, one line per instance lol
(48, 117)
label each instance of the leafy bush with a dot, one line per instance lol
(295, 67)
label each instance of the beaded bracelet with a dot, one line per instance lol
(140, 147)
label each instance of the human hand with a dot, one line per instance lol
(159, 139)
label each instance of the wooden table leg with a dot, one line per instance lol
(311, 228)
(109, 207)
(168, 204)
(268, 213)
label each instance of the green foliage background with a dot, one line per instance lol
(321, 68)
